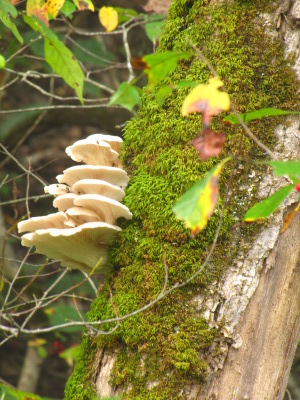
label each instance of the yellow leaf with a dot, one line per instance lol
(36, 342)
(53, 6)
(206, 99)
(108, 17)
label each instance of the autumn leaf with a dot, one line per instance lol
(206, 99)
(54, 6)
(108, 17)
(208, 143)
(197, 205)
(38, 9)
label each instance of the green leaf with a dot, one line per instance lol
(162, 93)
(198, 204)
(7, 11)
(2, 61)
(63, 62)
(266, 207)
(126, 96)
(154, 30)
(68, 9)
(125, 14)
(160, 64)
(264, 112)
(289, 168)
(38, 26)
(70, 354)
(7, 8)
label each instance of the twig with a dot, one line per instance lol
(21, 166)
(41, 196)
(59, 107)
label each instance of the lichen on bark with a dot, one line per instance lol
(165, 351)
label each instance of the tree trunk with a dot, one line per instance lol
(232, 331)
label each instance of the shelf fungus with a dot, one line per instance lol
(87, 198)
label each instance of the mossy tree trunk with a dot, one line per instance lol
(232, 331)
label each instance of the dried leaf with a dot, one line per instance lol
(206, 99)
(209, 143)
(108, 17)
(139, 63)
(289, 218)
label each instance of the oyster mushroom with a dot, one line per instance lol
(56, 220)
(83, 247)
(79, 215)
(97, 186)
(93, 152)
(57, 189)
(115, 142)
(88, 203)
(115, 176)
(64, 201)
(109, 210)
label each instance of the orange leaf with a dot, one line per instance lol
(38, 9)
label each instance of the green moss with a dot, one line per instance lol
(165, 348)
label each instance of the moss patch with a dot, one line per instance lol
(164, 349)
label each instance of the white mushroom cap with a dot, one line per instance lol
(65, 201)
(96, 186)
(56, 220)
(82, 247)
(115, 176)
(80, 215)
(57, 189)
(109, 210)
(94, 152)
(115, 142)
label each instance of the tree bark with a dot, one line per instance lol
(232, 332)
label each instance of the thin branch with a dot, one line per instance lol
(128, 54)
(41, 196)
(21, 166)
(61, 107)
(10, 83)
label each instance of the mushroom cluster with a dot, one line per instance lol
(88, 203)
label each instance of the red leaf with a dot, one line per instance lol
(208, 143)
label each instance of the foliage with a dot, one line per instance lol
(9, 393)
(198, 203)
